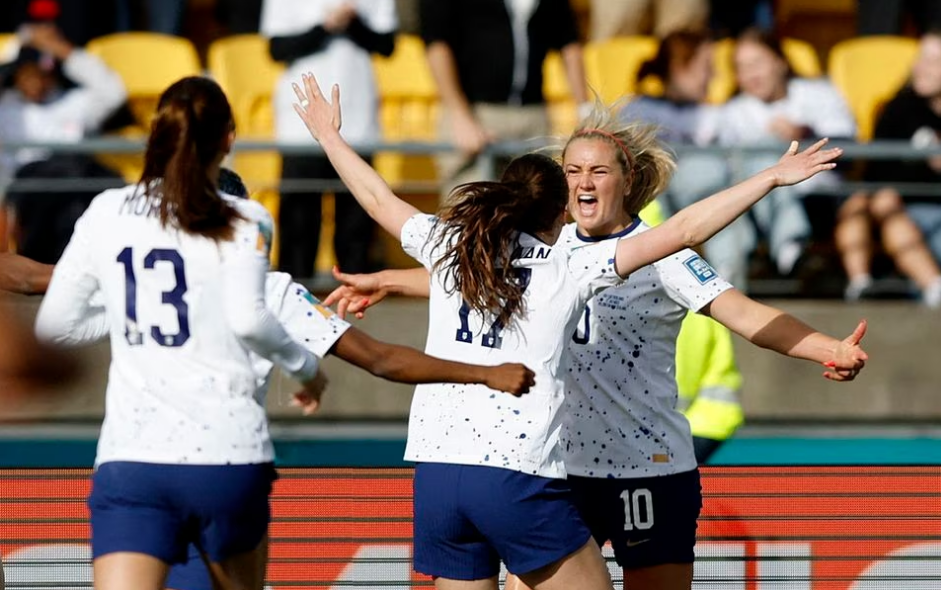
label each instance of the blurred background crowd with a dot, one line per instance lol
(729, 82)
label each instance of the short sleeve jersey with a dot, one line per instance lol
(620, 417)
(472, 424)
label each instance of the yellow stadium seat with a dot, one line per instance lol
(869, 71)
(611, 66)
(408, 110)
(563, 113)
(243, 67)
(147, 63)
(803, 57)
(8, 47)
(723, 84)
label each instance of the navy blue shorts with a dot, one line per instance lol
(191, 575)
(468, 518)
(159, 509)
(649, 520)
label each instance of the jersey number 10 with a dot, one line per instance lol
(492, 338)
(174, 297)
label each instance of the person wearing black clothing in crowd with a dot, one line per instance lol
(334, 39)
(903, 225)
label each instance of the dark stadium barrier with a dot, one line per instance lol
(762, 528)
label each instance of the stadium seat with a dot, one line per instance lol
(408, 110)
(8, 47)
(611, 66)
(869, 71)
(147, 63)
(563, 114)
(243, 67)
(803, 57)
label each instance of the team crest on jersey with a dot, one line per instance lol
(700, 269)
(321, 309)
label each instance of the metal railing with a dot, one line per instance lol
(852, 151)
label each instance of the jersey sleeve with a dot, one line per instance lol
(592, 267)
(417, 238)
(311, 324)
(67, 314)
(690, 280)
(245, 267)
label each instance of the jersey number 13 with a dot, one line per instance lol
(132, 331)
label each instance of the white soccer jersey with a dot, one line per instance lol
(620, 417)
(474, 425)
(182, 386)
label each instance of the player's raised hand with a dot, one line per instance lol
(512, 378)
(795, 167)
(308, 399)
(319, 115)
(356, 294)
(849, 358)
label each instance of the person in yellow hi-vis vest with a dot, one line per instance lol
(708, 382)
(707, 378)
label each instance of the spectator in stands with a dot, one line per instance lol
(333, 39)
(76, 19)
(730, 19)
(683, 66)
(486, 57)
(774, 107)
(239, 17)
(888, 17)
(914, 114)
(613, 18)
(58, 94)
(162, 16)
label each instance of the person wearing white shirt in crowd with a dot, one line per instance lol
(489, 484)
(335, 39)
(775, 107)
(41, 106)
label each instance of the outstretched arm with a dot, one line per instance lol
(19, 274)
(781, 332)
(323, 120)
(359, 292)
(700, 221)
(407, 365)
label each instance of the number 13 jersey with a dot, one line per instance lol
(475, 425)
(181, 386)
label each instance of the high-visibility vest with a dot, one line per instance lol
(707, 377)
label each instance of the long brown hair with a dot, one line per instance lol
(481, 229)
(643, 158)
(187, 137)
